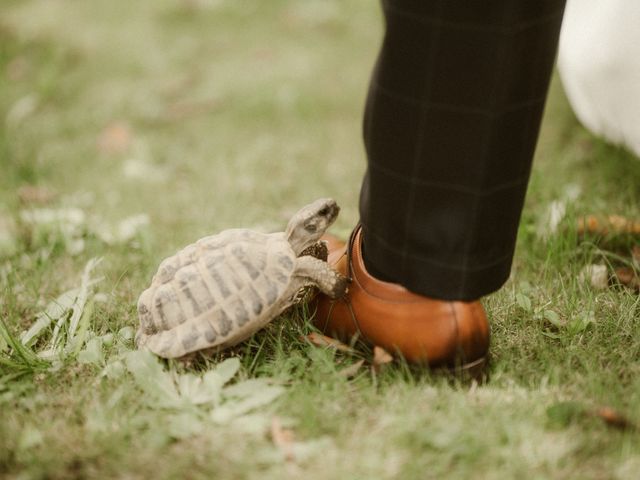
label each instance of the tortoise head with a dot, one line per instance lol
(309, 224)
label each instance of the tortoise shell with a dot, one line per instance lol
(215, 292)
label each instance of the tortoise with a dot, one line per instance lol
(221, 289)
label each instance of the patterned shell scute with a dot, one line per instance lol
(219, 284)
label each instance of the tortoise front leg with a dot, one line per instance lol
(319, 273)
(320, 250)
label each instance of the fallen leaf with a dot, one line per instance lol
(351, 370)
(596, 275)
(320, 340)
(627, 276)
(115, 139)
(621, 224)
(92, 354)
(556, 212)
(553, 318)
(523, 301)
(381, 357)
(283, 438)
(614, 418)
(565, 413)
(34, 194)
(589, 224)
(608, 225)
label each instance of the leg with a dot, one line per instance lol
(317, 272)
(317, 250)
(450, 128)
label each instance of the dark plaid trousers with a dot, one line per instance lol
(450, 128)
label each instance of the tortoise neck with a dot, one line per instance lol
(299, 240)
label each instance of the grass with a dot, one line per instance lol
(237, 113)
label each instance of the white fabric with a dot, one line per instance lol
(599, 64)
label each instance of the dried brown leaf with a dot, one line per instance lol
(34, 194)
(614, 418)
(320, 340)
(283, 438)
(608, 225)
(115, 139)
(351, 370)
(380, 357)
(589, 224)
(627, 276)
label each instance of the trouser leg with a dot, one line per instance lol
(450, 128)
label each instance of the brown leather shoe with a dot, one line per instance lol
(421, 329)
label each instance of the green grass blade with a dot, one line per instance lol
(26, 358)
